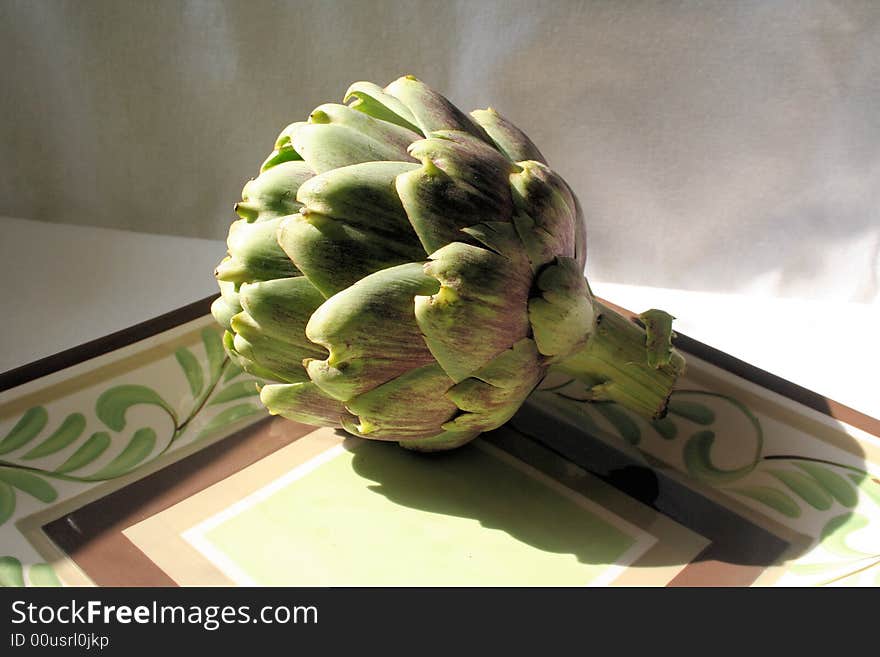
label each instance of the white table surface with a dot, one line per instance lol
(70, 284)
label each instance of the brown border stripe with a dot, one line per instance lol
(92, 535)
(705, 570)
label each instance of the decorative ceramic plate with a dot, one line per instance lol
(146, 459)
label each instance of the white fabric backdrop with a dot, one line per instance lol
(723, 146)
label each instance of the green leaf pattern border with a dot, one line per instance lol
(88, 446)
(838, 504)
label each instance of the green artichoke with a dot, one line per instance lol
(409, 272)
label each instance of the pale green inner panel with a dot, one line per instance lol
(379, 515)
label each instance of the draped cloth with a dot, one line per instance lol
(723, 146)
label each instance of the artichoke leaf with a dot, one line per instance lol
(303, 402)
(501, 238)
(545, 213)
(493, 394)
(334, 255)
(327, 146)
(381, 131)
(227, 305)
(480, 309)
(462, 181)
(411, 405)
(254, 254)
(244, 363)
(431, 110)
(273, 193)
(282, 361)
(580, 232)
(270, 331)
(563, 316)
(468, 159)
(508, 139)
(284, 150)
(282, 308)
(370, 332)
(364, 196)
(441, 442)
(370, 98)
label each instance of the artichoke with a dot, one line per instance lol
(408, 272)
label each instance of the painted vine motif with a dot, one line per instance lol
(36, 435)
(797, 482)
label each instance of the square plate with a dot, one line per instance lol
(144, 459)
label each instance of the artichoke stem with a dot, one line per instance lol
(615, 362)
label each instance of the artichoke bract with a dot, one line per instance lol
(409, 272)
